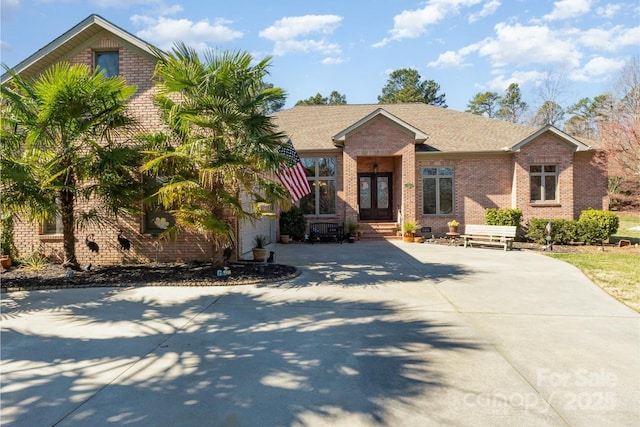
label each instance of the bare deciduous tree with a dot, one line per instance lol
(620, 132)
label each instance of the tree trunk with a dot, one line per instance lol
(68, 230)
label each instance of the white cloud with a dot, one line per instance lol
(565, 9)
(163, 32)
(488, 9)
(611, 39)
(285, 46)
(597, 67)
(608, 10)
(500, 83)
(410, 24)
(104, 4)
(290, 34)
(629, 37)
(448, 59)
(291, 27)
(332, 60)
(599, 38)
(518, 44)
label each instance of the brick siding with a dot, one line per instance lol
(392, 147)
(137, 69)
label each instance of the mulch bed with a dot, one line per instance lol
(200, 274)
(184, 274)
(580, 248)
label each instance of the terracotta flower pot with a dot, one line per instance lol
(5, 261)
(453, 229)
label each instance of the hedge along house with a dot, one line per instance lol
(380, 165)
(97, 42)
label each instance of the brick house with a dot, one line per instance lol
(382, 164)
(375, 164)
(96, 41)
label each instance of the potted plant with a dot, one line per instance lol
(409, 228)
(5, 260)
(293, 223)
(6, 240)
(453, 226)
(352, 228)
(259, 250)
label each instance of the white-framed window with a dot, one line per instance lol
(321, 174)
(437, 190)
(109, 61)
(543, 183)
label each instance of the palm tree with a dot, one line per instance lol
(68, 144)
(220, 145)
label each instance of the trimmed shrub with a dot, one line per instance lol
(562, 231)
(506, 216)
(590, 232)
(607, 221)
(593, 227)
(495, 216)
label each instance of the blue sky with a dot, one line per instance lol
(466, 46)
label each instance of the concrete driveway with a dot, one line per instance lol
(370, 334)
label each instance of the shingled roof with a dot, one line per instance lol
(68, 44)
(313, 127)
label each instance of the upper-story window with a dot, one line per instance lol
(544, 183)
(437, 191)
(321, 174)
(109, 61)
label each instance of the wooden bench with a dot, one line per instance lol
(326, 231)
(498, 235)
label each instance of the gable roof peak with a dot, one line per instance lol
(419, 136)
(564, 137)
(72, 38)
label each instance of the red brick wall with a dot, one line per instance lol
(480, 182)
(373, 141)
(590, 183)
(502, 181)
(548, 149)
(137, 69)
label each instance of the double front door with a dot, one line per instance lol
(374, 196)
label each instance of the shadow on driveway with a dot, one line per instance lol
(228, 359)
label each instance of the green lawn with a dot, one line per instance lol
(616, 272)
(627, 222)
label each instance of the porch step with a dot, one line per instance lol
(378, 230)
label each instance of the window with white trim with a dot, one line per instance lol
(543, 183)
(437, 190)
(321, 174)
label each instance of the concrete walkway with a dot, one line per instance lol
(370, 334)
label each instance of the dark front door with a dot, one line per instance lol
(374, 196)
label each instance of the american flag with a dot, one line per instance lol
(291, 173)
